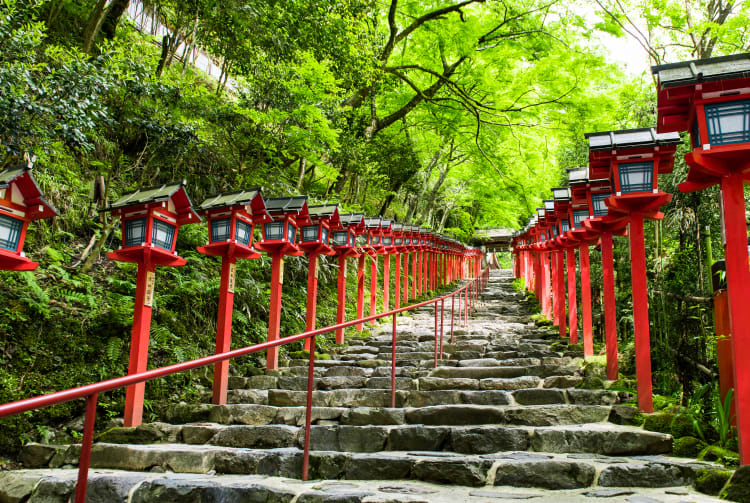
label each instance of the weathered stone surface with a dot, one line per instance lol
(177, 458)
(142, 434)
(711, 481)
(470, 472)
(436, 383)
(645, 475)
(257, 396)
(105, 488)
(417, 438)
(478, 372)
(169, 490)
(538, 396)
(502, 496)
(291, 398)
(488, 439)
(600, 439)
(53, 490)
(327, 465)
(16, 486)
(377, 467)
(348, 371)
(738, 487)
(341, 382)
(39, 455)
(189, 413)
(428, 398)
(360, 398)
(592, 396)
(510, 383)
(296, 415)
(456, 415)
(258, 437)
(242, 414)
(548, 474)
(550, 415)
(199, 433)
(362, 416)
(608, 493)
(362, 438)
(262, 382)
(242, 462)
(402, 383)
(624, 414)
(487, 397)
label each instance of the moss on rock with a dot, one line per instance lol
(687, 447)
(711, 481)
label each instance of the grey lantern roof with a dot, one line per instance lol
(149, 195)
(352, 218)
(683, 73)
(578, 175)
(631, 138)
(323, 210)
(229, 199)
(561, 193)
(386, 224)
(397, 227)
(293, 204)
(32, 194)
(372, 222)
(549, 205)
(11, 173)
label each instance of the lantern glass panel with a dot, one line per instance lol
(135, 231)
(243, 231)
(399, 241)
(361, 240)
(695, 135)
(636, 176)
(564, 225)
(220, 229)
(324, 235)
(291, 232)
(309, 233)
(728, 122)
(554, 231)
(597, 200)
(10, 232)
(340, 238)
(273, 231)
(162, 234)
(578, 217)
(387, 240)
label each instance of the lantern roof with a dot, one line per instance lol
(252, 199)
(372, 222)
(735, 66)
(578, 175)
(295, 205)
(356, 221)
(397, 227)
(174, 192)
(20, 176)
(549, 205)
(630, 138)
(325, 212)
(561, 193)
(386, 225)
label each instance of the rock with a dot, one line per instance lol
(243, 414)
(341, 382)
(16, 486)
(428, 398)
(417, 438)
(607, 493)
(489, 397)
(687, 447)
(347, 372)
(257, 437)
(333, 496)
(240, 462)
(645, 475)
(503, 496)
(262, 382)
(592, 396)
(199, 433)
(188, 413)
(105, 488)
(362, 416)
(550, 415)
(455, 415)
(509, 383)
(437, 383)
(53, 490)
(600, 439)
(625, 414)
(562, 381)
(548, 474)
(539, 396)
(327, 465)
(711, 481)
(465, 472)
(362, 438)
(38, 455)
(167, 490)
(291, 398)
(377, 467)
(591, 382)
(485, 440)
(716, 453)
(142, 434)
(738, 487)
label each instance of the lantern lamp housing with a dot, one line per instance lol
(134, 231)
(220, 229)
(10, 232)
(598, 207)
(549, 205)
(291, 231)
(243, 232)
(578, 217)
(341, 238)
(635, 176)
(564, 226)
(728, 122)
(273, 231)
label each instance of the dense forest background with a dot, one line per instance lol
(452, 115)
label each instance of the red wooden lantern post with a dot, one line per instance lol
(711, 99)
(231, 218)
(278, 239)
(421, 261)
(635, 159)
(578, 213)
(21, 202)
(364, 251)
(374, 228)
(406, 248)
(314, 241)
(562, 209)
(397, 234)
(411, 241)
(150, 221)
(344, 243)
(387, 251)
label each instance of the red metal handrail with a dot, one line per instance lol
(92, 391)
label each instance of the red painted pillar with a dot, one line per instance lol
(415, 275)
(312, 295)
(545, 285)
(224, 330)
(724, 353)
(341, 300)
(538, 279)
(386, 283)
(274, 314)
(397, 284)
(738, 288)
(555, 290)
(640, 313)
(588, 332)
(560, 293)
(406, 278)
(360, 288)
(420, 275)
(610, 311)
(572, 300)
(373, 285)
(139, 342)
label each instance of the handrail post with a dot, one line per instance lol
(308, 408)
(393, 363)
(453, 313)
(442, 319)
(84, 460)
(466, 307)
(436, 334)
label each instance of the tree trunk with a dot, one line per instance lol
(54, 11)
(163, 57)
(93, 25)
(112, 18)
(444, 218)
(301, 173)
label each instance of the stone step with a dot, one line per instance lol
(384, 430)
(503, 372)
(517, 469)
(436, 415)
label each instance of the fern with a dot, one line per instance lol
(113, 349)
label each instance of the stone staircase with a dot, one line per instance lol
(503, 416)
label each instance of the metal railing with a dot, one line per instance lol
(468, 294)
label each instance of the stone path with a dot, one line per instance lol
(500, 419)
